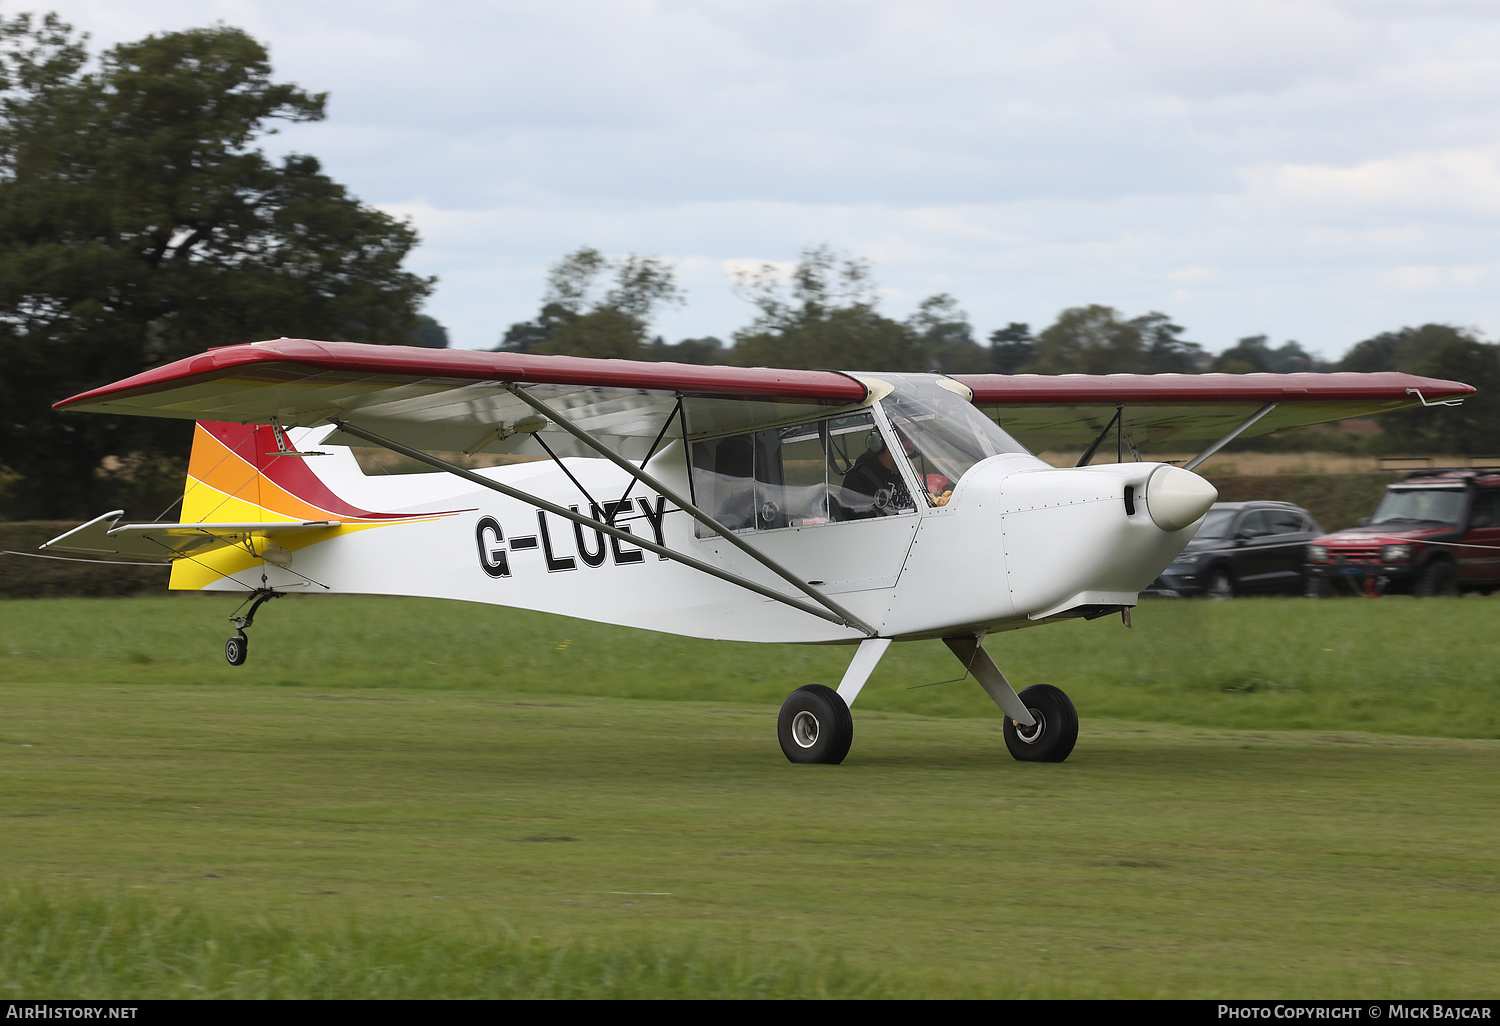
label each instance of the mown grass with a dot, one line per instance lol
(119, 944)
(1393, 665)
(400, 798)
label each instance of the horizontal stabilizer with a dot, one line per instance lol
(162, 543)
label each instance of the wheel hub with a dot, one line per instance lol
(1031, 735)
(805, 729)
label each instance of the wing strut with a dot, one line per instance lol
(842, 615)
(635, 479)
(1084, 459)
(613, 532)
(1244, 425)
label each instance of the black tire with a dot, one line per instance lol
(1439, 579)
(1220, 585)
(1056, 730)
(815, 726)
(237, 650)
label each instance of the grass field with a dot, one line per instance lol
(415, 799)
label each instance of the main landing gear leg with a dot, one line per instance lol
(237, 648)
(815, 725)
(1041, 724)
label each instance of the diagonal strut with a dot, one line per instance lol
(844, 615)
(611, 531)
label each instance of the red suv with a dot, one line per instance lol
(1435, 532)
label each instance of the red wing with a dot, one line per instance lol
(1068, 410)
(457, 400)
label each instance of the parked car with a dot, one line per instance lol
(1243, 548)
(1434, 532)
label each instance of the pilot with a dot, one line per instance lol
(875, 474)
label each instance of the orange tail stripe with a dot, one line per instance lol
(254, 445)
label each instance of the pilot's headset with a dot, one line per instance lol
(875, 441)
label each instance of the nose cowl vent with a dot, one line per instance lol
(1177, 497)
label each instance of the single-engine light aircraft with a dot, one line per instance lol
(738, 503)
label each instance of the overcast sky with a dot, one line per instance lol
(1318, 170)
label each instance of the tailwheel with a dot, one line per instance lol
(815, 725)
(1052, 738)
(237, 650)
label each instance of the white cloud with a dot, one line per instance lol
(1317, 169)
(1440, 279)
(1455, 182)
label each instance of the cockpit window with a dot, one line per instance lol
(843, 468)
(801, 476)
(943, 435)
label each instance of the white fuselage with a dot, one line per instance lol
(1018, 542)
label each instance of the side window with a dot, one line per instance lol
(1256, 524)
(1486, 509)
(1287, 522)
(723, 481)
(800, 476)
(791, 488)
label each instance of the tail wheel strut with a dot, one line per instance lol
(237, 648)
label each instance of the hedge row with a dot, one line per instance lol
(23, 575)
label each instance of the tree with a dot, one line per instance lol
(820, 284)
(1249, 355)
(822, 316)
(139, 224)
(582, 317)
(946, 340)
(1165, 351)
(1089, 340)
(1400, 349)
(429, 334)
(525, 336)
(703, 351)
(1291, 358)
(1451, 354)
(1011, 348)
(1096, 339)
(1254, 354)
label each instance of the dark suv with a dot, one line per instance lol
(1243, 548)
(1435, 532)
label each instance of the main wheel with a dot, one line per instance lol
(237, 650)
(1056, 730)
(815, 725)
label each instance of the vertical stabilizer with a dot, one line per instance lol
(237, 473)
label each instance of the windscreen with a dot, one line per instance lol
(1420, 505)
(942, 433)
